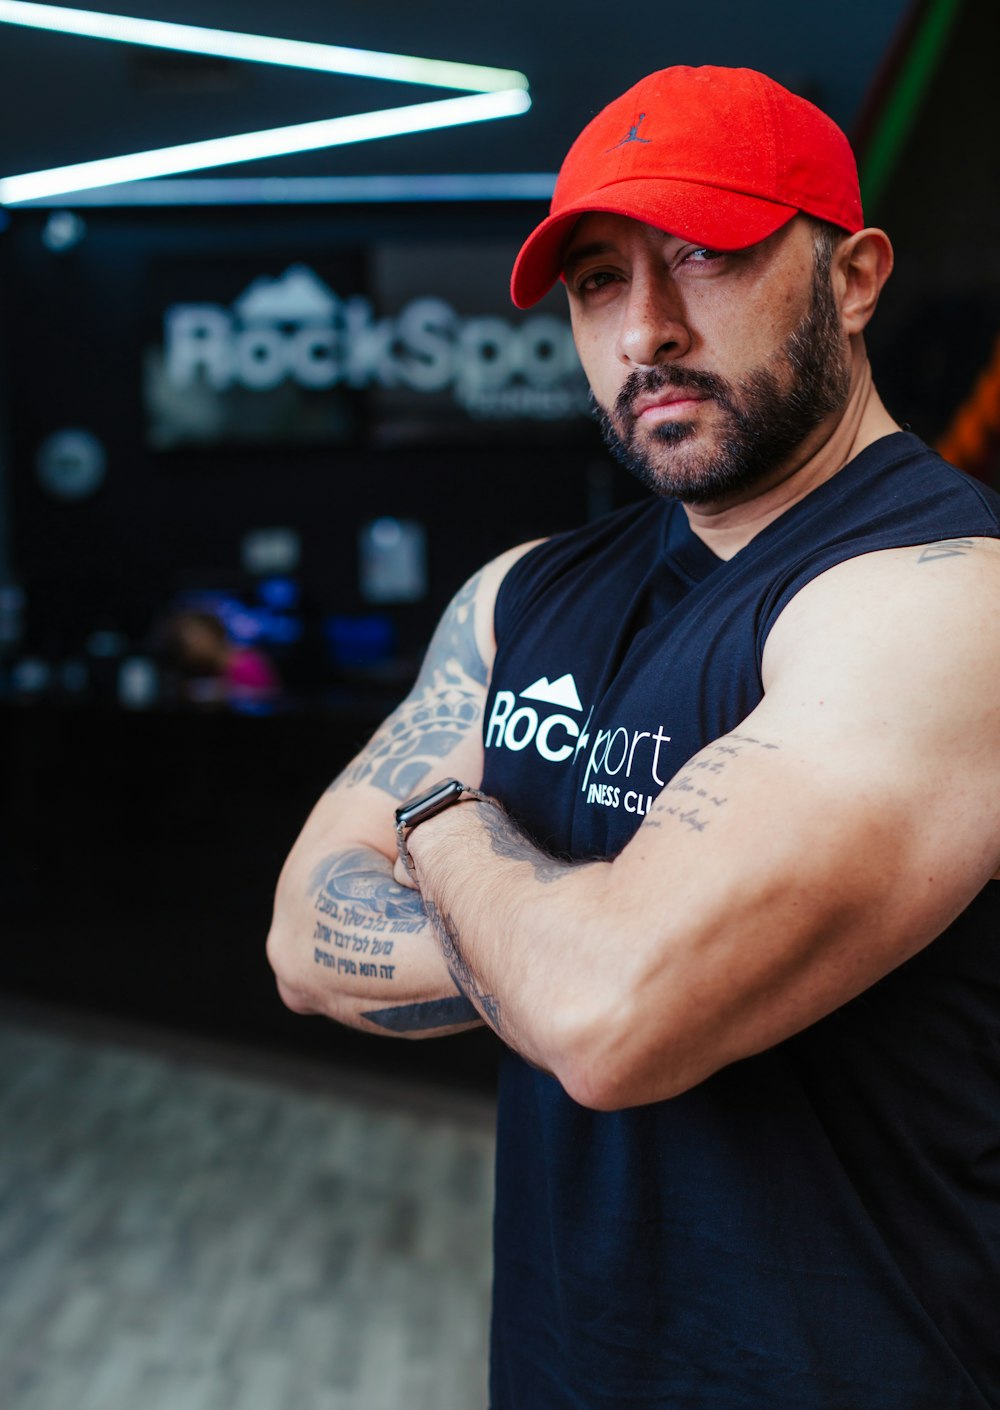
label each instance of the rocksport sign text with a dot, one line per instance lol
(296, 328)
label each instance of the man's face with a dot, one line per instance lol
(711, 370)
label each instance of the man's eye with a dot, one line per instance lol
(592, 282)
(704, 255)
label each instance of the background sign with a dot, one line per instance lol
(409, 341)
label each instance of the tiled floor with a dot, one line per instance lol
(179, 1236)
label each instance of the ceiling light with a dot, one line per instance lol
(260, 48)
(313, 190)
(274, 142)
(495, 93)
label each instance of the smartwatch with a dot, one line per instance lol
(422, 806)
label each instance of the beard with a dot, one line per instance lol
(767, 413)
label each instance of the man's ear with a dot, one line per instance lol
(861, 265)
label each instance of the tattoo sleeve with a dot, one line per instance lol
(441, 710)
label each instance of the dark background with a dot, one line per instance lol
(140, 846)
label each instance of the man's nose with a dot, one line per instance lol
(654, 328)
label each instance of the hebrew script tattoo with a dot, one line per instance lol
(947, 548)
(364, 922)
(362, 916)
(693, 796)
(436, 716)
(361, 880)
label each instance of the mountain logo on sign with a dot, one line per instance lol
(299, 296)
(294, 327)
(559, 692)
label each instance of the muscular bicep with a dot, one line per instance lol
(885, 673)
(841, 828)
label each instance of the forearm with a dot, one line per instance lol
(616, 980)
(350, 944)
(516, 928)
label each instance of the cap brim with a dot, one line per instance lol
(724, 220)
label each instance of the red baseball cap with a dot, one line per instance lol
(721, 156)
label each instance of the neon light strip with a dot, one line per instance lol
(905, 99)
(311, 190)
(260, 49)
(275, 142)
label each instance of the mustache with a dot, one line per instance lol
(644, 381)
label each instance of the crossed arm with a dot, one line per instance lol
(783, 870)
(347, 941)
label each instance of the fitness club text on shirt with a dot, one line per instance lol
(621, 766)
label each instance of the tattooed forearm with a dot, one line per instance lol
(362, 915)
(694, 794)
(448, 937)
(946, 548)
(361, 878)
(363, 918)
(507, 842)
(440, 711)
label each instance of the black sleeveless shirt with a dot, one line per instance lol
(813, 1228)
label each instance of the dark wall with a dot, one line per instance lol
(140, 848)
(138, 857)
(85, 327)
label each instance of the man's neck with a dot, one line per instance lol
(727, 526)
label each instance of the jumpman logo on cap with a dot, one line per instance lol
(632, 136)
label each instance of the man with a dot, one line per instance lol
(722, 877)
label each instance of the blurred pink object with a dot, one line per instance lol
(249, 675)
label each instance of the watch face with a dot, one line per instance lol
(425, 805)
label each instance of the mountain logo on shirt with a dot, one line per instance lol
(556, 736)
(561, 692)
(621, 765)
